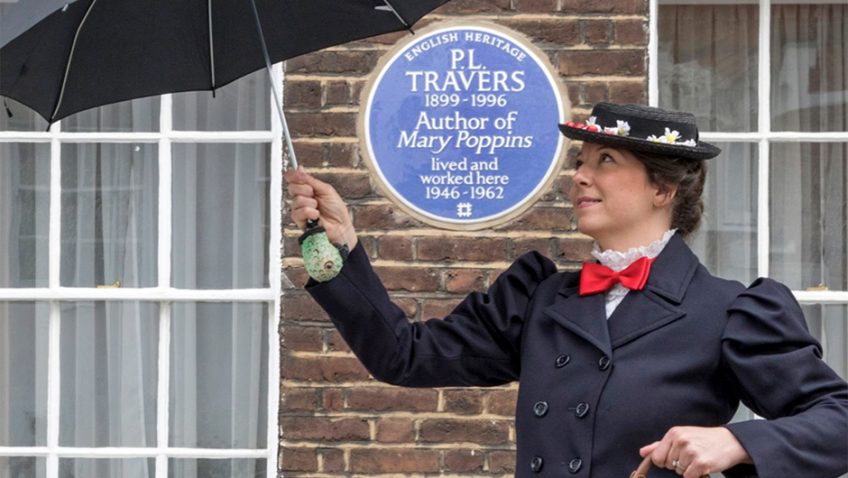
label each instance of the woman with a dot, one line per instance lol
(653, 359)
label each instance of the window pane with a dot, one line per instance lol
(726, 242)
(808, 183)
(708, 64)
(829, 324)
(809, 70)
(109, 214)
(243, 105)
(23, 118)
(109, 373)
(24, 214)
(23, 374)
(136, 115)
(238, 468)
(220, 219)
(219, 373)
(22, 467)
(114, 468)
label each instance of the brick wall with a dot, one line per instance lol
(334, 419)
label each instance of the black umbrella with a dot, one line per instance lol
(79, 54)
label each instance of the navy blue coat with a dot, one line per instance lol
(684, 351)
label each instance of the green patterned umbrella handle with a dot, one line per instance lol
(322, 259)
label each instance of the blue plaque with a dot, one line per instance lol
(460, 125)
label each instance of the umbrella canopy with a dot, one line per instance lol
(89, 53)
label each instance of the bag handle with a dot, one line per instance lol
(644, 467)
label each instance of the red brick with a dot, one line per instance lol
(597, 32)
(437, 308)
(309, 154)
(553, 31)
(595, 92)
(381, 217)
(501, 402)
(463, 402)
(333, 399)
(298, 277)
(335, 341)
(298, 305)
(342, 154)
(470, 7)
(461, 249)
(325, 429)
(501, 462)
(323, 369)
(302, 94)
(299, 399)
(464, 280)
(393, 460)
(628, 92)
(395, 430)
(602, 62)
(334, 61)
(464, 460)
(543, 218)
(396, 248)
(298, 459)
(582, 7)
(392, 399)
(338, 93)
(332, 459)
(523, 246)
(535, 6)
(631, 32)
(574, 250)
(302, 339)
(322, 124)
(349, 185)
(409, 279)
(484, 432)
(409, 306)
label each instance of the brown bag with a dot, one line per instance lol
(644, 467)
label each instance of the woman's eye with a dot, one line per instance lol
(578, 163)
(605, 158)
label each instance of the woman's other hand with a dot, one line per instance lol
(313, 199)
(693, 452)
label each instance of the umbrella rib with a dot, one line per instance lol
(405, 24)
(211, 47)
(70, 59)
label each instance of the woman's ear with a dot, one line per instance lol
(664, 196)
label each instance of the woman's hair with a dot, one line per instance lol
(689, 176)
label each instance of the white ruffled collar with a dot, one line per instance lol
(617, 260)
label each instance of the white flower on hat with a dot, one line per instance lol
(671, 137)
(690, 143)
(623, 128)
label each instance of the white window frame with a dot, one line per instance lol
(763, 137)
(163, 294)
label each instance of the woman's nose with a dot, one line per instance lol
(581, 175)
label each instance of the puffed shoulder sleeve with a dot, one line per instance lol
(476, 344)
(776, 369)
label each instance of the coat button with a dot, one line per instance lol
(536, 464)
(604, 363)
(562, 360)
(575, 465)
(540, 408)
(581, 410)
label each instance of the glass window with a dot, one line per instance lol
(24, 214)
(220, 218)
(139, 115)
(218, 375)
(113, 468)
(829, 324)
(109, 214)
(707, 62)
(23, 376)
(238, 106)
(191, 468)
(109, 374)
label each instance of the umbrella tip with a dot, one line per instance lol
(8, 110)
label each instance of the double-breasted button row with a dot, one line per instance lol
(575, 465)
(540, 408)
(536, 464)
(581, 410)
(562, 360)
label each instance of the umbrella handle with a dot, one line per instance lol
(322, 259)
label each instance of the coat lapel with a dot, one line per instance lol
(640, 313)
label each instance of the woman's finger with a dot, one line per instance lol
(304, 202)
(300, 190)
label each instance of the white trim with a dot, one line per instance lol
(752, 2)
(54, 381)
(164, 389)
(653, 54)
(777, 137)
(175, 136)
(821, 297)
(763, 127)
(115, 452)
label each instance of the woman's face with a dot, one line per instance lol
(614, 202)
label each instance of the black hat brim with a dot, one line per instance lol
(700, 151)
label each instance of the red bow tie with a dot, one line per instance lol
(597, 278)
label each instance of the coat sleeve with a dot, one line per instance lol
(476, 344)
(775, 367)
